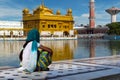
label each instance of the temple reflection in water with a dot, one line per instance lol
(62, 50)
(92, 48)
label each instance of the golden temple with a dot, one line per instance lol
(47, 22)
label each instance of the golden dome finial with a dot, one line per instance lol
(58, 12)
(69, 10)
(43, 2)
(26, 11)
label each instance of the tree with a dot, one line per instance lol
(114, 28)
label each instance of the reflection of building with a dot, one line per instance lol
(114, 47)
(48, 23)
(92, 48)
(63, 49)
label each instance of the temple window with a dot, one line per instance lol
(48, 26)
(43, 26)
(65, 26)
(54, 26)
(51, 26)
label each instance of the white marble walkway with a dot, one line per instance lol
(84, 69)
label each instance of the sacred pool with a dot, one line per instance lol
(62, 49)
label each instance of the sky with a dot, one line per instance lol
(11, 10)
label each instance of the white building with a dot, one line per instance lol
(6, 26)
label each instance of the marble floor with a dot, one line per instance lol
(80, 69)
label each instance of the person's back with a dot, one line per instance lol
(29, 53)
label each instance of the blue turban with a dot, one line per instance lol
(33, 35)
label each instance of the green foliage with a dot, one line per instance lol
(114, 28)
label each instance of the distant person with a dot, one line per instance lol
(30, 53)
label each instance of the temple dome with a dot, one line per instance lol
(58, 12)
(69, 10)
(44, 10)
(26, 10)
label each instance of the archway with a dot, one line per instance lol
(65, 33)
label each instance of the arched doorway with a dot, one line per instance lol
(65, 33)
(11, 33)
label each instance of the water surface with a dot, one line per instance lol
(62, 49)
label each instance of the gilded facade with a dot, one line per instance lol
(47, 22)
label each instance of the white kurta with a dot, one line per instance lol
(29, 58)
